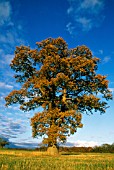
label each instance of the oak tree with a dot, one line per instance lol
(63, 81)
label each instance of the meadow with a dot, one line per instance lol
(35, 160)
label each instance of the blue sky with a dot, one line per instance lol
(88, 22)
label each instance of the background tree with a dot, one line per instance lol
(3, 142)
(63, 81)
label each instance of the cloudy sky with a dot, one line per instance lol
(88, 22)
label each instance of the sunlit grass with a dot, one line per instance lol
(34, 160)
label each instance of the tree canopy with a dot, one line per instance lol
(3, 142)
(63, 81)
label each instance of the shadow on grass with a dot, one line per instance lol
(70, 153)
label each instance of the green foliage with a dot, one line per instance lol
(105, 148)
(3, 142)
(63, 81)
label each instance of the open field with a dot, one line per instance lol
(34, 160)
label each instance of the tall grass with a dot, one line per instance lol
(32, 160)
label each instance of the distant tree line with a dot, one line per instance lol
(105, 148)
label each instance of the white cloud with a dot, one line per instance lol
(80, 143)
(6, 58)
(85, 23)
(84, 15)
(10, 28)
(106, 59)
(11, 37)
(91, 5)
(69, 10)
(111, 89)
(11, 126)
(14, 108)
(101, 52)
(5, 12)
(86, 143)
(5, 86)
(70, 28)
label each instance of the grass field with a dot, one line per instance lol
(34, 160)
